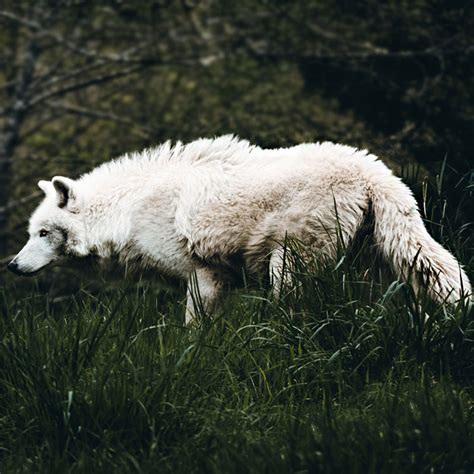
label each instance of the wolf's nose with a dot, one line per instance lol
(13, 266)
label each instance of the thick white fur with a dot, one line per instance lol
(188, 209)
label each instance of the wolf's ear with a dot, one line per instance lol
(45, 186)
(65, 190)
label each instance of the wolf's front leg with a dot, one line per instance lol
(280, 272)
(204, 288)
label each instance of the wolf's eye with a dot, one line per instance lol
(43, 233)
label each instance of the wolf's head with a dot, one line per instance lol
(57, 230)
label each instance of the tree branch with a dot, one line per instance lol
(40, 32)
(144, 132)
(83, 84)
(433, 52)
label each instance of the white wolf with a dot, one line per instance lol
(193, 211)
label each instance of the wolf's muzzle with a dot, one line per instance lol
(13, 267)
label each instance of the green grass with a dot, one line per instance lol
(344, 374)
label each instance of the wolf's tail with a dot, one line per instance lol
(404, 242)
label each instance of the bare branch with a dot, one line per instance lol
(144, 132)
(40, 32)
(83, 84)
(129, 56)
(73, 73)
(260, 51)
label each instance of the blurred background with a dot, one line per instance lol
(85, 81)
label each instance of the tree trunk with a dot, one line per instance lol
(6, 152)
(15, 113)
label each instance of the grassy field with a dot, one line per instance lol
(347, 373)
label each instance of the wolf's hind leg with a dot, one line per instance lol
(204, 288)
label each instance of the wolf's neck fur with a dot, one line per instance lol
(114, 209)
(108, 214)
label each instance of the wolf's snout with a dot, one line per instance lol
(13, 267)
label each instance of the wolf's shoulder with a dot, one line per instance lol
(225, 149)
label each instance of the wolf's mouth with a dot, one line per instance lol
(17, 271)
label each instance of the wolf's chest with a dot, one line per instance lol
(156, 244)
